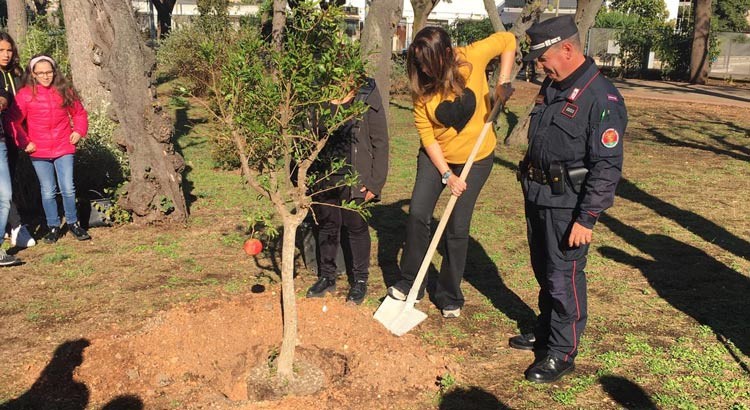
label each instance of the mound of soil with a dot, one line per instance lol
(202, 355)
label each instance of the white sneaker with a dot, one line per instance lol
(21, 237)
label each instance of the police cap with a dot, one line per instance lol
(548, 32)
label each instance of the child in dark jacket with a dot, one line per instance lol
(55, 122)
(363, 145)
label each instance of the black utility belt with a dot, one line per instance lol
(555, 177)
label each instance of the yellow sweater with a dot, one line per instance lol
(451, 123)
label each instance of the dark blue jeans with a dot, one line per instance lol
(427, 189)
(51, 173)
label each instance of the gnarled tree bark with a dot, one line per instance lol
(17, 24)
(377, 35)
(124, 68)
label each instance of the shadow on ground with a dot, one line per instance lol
(55, 388)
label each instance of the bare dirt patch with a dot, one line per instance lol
(200, 355)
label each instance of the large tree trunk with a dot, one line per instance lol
(497, 22)
(17, 23)
(154, 192)
(699, 63)
(377, 36)
(84, 57)
(422, 10)
(164, 15)
(585, 17)
(531, 13)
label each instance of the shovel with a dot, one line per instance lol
(400, 316)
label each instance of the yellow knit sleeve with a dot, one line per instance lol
(423, 123)
(482, 51)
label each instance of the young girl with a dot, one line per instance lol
(451, 103)
(10, 77)
(55, 122)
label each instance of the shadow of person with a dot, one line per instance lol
(124, 403)
(389, 223)
(470, 398)
(627, 394)
(55, 388)
(689, 279)
(482, 273)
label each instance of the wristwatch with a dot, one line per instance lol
(447, 174)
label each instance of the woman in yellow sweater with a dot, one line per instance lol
(451, 103)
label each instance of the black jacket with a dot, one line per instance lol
(363, 142)
(579, 122)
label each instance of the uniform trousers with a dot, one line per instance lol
(559, 270)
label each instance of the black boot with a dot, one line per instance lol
(357, 292)
(321, 287)
(548, 370)
(523, 342)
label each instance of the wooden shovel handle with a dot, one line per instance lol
(412, 297)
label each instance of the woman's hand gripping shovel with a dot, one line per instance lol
(400, 316)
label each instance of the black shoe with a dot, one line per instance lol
(79, 232)
(548, 370)
(321, 287)
(52, 236)
(357, 292)
(522, 342)
(8, 260)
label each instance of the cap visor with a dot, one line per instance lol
(534, 54)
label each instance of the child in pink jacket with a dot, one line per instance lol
(55, 121)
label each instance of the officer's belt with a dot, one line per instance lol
(537, 175)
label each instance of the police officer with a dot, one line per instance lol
(569, 174)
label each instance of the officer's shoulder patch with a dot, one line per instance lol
(610, 138)
(612, 97)
(539, 99)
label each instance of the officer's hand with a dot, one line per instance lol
(456, 185)
(579, 235)
(503, 93)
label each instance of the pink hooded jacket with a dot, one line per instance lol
(48, 123)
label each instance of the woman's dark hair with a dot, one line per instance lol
(14, 67)
(60, 83)
(433, 66)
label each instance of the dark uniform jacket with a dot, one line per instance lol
(578, 122)
(363, 142)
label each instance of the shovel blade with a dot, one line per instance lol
(398, 316)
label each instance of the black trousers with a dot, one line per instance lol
(330, 219)
(427, 189)
(559, 270)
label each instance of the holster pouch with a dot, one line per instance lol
(576, 177)
(557, 178)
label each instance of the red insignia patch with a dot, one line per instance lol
(611, 97)
(610, 138)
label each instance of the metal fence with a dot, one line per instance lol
(733, 60)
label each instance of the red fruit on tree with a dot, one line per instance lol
(252, 246)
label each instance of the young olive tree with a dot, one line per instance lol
(272, 102)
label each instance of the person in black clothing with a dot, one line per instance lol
(10, 74)
(363, 145)
(569, 175)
